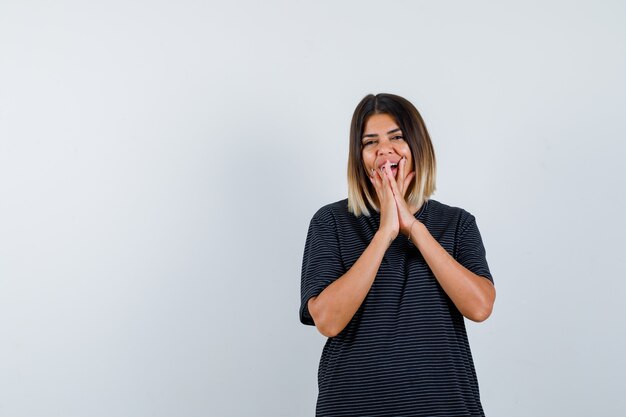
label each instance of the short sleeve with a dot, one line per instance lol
(470, 251)
(321, 263)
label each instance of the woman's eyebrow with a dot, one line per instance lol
(375, 135)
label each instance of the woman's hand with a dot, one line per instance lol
(389, 222)
(399, 189)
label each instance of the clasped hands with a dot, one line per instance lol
(396, 216)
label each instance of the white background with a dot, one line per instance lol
(160, 162)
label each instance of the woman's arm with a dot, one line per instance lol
(334, 307)
(472, 294)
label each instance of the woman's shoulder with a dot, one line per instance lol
(439, 210)
(436, 205)
(338, 209)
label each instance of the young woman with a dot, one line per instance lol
(388, 276)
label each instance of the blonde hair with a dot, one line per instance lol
(361, 192)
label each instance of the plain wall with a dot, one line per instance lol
(160, 162)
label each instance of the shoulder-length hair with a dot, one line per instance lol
(361, 192)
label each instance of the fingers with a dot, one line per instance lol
(381, 187)
(404, 179)
(387, 193)
(382, 183)
(380, 179)
(387, 173)
(377, 182)
(402, 170)
(392, 180)
(407, 182)
(386, 185)
(398, 194)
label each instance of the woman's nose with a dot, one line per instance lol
(384, 149)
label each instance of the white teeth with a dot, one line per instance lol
(391, 165)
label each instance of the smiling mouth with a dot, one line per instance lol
(392, 165)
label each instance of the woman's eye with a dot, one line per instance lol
(398, 137)
(369, 142)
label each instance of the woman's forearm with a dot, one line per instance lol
(335, 306)
(472, 294)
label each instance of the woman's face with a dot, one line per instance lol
(384, 141)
